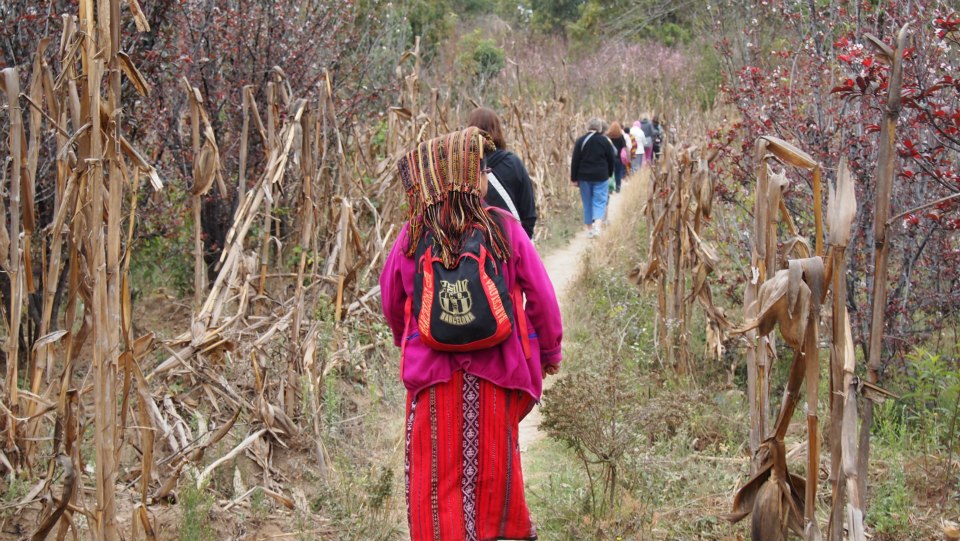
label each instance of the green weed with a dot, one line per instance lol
(12, 490)
(259, 505)
(891, 504)
(195, 507)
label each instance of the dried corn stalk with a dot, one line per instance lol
(791, 301)
(679, 199)
(11, 259)
(82, 106)
(769, 203)
(886, 165)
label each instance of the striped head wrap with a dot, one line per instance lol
(441, 178)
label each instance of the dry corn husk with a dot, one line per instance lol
(784, 300)
(883, 49)
(707, 261)
(645, 274)
(716, 336)
(773, 497)
(842, 206)
(776, 187)
(133, 74)
(207, 165)
(795, 248)
(704, 188)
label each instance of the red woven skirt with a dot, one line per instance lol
(463, 477)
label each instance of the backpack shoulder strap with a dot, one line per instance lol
(585, 139)
(495, 183)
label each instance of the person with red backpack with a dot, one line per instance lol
(476, 318)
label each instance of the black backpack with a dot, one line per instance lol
(466, 308)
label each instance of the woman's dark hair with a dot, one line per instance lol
(487, 120)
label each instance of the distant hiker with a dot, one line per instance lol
(647, 128)
(639, 141)
(464, 405)
(628, 143)
(590, 169)
(657, 137)
(510, 186)
(615, 133)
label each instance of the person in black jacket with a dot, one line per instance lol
(657, 137)
(509, 172)
(592, 165)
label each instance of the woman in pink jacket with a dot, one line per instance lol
(462, 470)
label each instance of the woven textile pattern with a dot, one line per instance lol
(464, 479)
(442, 178)
(449, 163)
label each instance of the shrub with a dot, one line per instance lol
(480, 58)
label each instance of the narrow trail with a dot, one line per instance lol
(563, 266)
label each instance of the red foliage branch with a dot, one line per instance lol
(813, 79)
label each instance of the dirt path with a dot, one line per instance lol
(563, 266)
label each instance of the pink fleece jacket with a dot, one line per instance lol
(504, 364)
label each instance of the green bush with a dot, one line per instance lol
(480, 58)
(924, 417)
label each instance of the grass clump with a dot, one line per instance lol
(195, 504)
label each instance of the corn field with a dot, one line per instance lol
(108, 417)
(86, 418)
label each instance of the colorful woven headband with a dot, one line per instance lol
(449, 163)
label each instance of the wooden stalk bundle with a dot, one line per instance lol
(679, 198)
